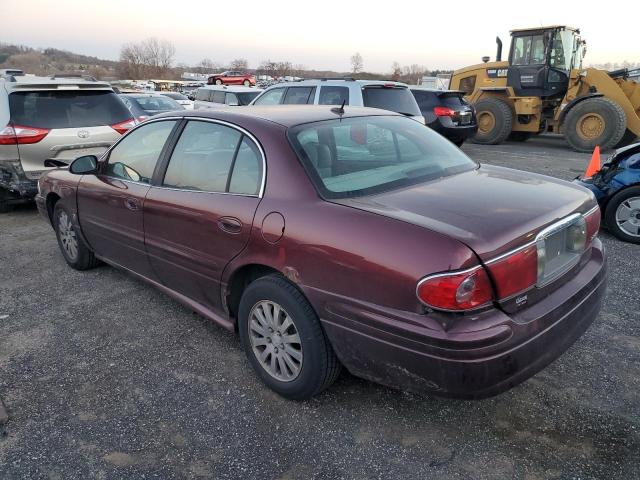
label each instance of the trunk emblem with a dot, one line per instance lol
(83, 133)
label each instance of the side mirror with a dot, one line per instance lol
(84, 165)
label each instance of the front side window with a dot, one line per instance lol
(334, 96)
(218, 96)
(271, 97)
(365, 155)
(203, 95)
(231, 99)
(135, 157)
(210, 157)
(245, 98)
(562, 49)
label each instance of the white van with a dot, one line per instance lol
(222, 96)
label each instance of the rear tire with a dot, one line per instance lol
(219, 82)
(312, 365)
(495, 120)
(627, 139)
(75, 252)
(623, 202)
(592, 122)
(520, 136)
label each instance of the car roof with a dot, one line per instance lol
(437, 91)
(29, 82)
(336, 82)
(285, 115)
(231, 88)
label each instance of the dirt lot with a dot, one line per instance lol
(104, 377)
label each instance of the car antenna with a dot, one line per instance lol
(339, 110)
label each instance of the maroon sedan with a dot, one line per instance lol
(330, 238)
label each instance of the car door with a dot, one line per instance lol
(110, 204)
(200, 216)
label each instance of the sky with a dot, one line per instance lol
(320, 34)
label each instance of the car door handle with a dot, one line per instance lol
(132, 204)
(230, 225)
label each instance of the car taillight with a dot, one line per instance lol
(593, 219)
(123, 127)
(18, 134)
(444, 112)
(515, 272)
(456, 291)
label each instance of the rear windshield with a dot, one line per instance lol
(157, 103)
(360, 156)
(428, 100)
(67, 109)
(394, 99)
(247, 97)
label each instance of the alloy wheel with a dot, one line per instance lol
(67, 236)
(275, 341)
(628, 216)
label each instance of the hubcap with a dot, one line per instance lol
(591, 125)
(275, 341)
(67, 236)
(628, 216)
(486, 122)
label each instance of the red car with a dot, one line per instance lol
(330, 238)
(232, 78)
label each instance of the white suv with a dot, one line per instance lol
(222, 96)
(387, 95)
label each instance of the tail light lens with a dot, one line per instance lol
(20, 135)
(444, 112)
(515, 272)
(593, 219)
(456, 291)
(123, 127)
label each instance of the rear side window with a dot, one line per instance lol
(245, 98)
(394, 99)
(203, 95)
(157, 103)
(271, 97)
(214, 158)
(426, 100)
(334, 96)
(67, 109)
(299, 95)
(135, 157)
(218, 96)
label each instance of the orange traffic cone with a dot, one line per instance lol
(594, 164)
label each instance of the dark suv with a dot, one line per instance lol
(447, 112)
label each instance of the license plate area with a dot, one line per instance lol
(560, 247)
(465, 118)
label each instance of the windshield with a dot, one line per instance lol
(175, 96)
(360, 156)
(157, 103)
(394, 99)
(67, 109)
(246, 97)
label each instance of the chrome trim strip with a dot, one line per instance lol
(556, 227)
(510, 252)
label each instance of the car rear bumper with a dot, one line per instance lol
(479, 357)
(454, 133)
(16, 183)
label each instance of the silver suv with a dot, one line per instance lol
(53, 120)
(387, 95)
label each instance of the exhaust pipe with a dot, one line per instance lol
(499, 52)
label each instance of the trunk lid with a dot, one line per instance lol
(491, 209)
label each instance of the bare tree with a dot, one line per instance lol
(396, 71)
(207, 65)
(239, 64)
(150, 58)
(356, 63)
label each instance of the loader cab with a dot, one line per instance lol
(541, 60)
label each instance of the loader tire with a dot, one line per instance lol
(595, 121)
(495, 120)
(627, 139)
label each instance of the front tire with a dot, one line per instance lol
(495, 120)
(75, 252)
(219, 82)
(246, 83)
(595, 121)
(622, 215)
(283, 339)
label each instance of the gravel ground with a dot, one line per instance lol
(104, 377)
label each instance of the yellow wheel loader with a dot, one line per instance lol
(543, 88)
